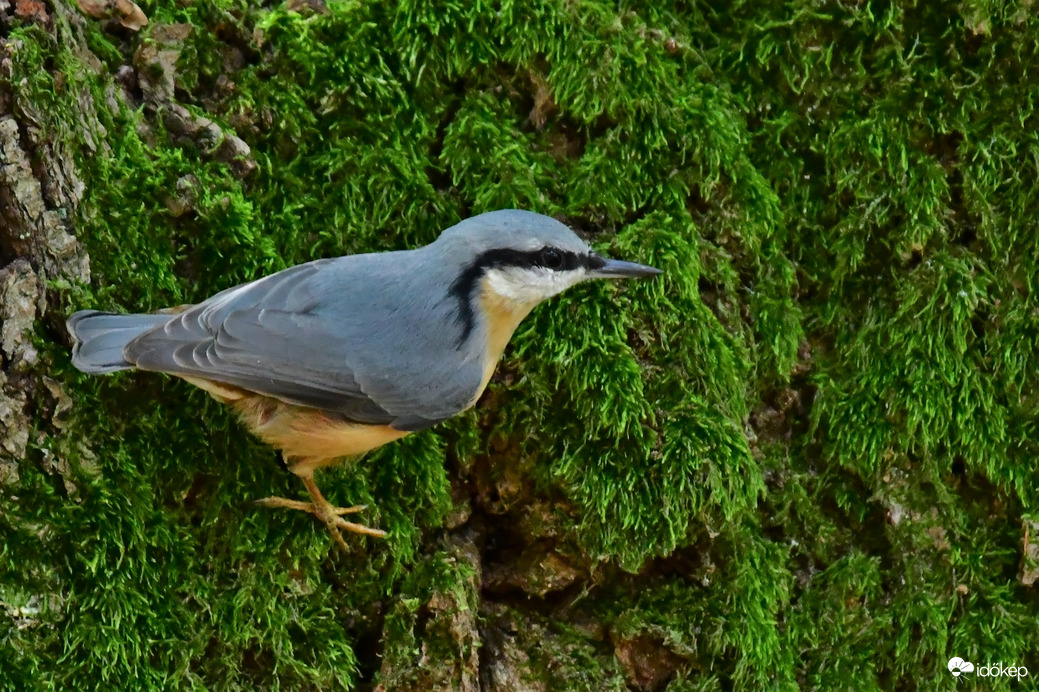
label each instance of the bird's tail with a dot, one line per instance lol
(101, 336)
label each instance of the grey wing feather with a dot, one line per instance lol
(287, 337)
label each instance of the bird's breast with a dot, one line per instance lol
(500, 315)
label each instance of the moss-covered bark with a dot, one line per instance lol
(803, 459)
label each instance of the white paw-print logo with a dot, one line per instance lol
(957, 665)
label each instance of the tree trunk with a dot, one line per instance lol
(804, 459)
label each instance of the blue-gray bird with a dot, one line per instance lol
(336, 357)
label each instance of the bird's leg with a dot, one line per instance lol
(323, 510)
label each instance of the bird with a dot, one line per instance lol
(335, 357)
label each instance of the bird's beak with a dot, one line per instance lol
(618, 269)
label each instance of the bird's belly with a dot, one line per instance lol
(307, 435)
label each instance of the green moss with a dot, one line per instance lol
(429, 635)
(813, 438)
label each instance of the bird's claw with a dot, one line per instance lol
(330, 516)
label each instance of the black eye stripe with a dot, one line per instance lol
(535, 258)
(464, 286)
(547, 257)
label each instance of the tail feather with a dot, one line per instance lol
(101, 336)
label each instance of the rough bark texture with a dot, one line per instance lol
(803, 459)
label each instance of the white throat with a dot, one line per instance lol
(528, 286)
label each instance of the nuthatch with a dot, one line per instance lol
(336, 357)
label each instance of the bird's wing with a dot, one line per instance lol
(286, 336)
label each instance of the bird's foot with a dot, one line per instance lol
(330, 515)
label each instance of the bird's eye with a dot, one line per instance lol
(552, 258)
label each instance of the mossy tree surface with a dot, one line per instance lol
(804, 458)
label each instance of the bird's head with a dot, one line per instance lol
(524, 258)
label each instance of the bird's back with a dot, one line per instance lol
(372, 337)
